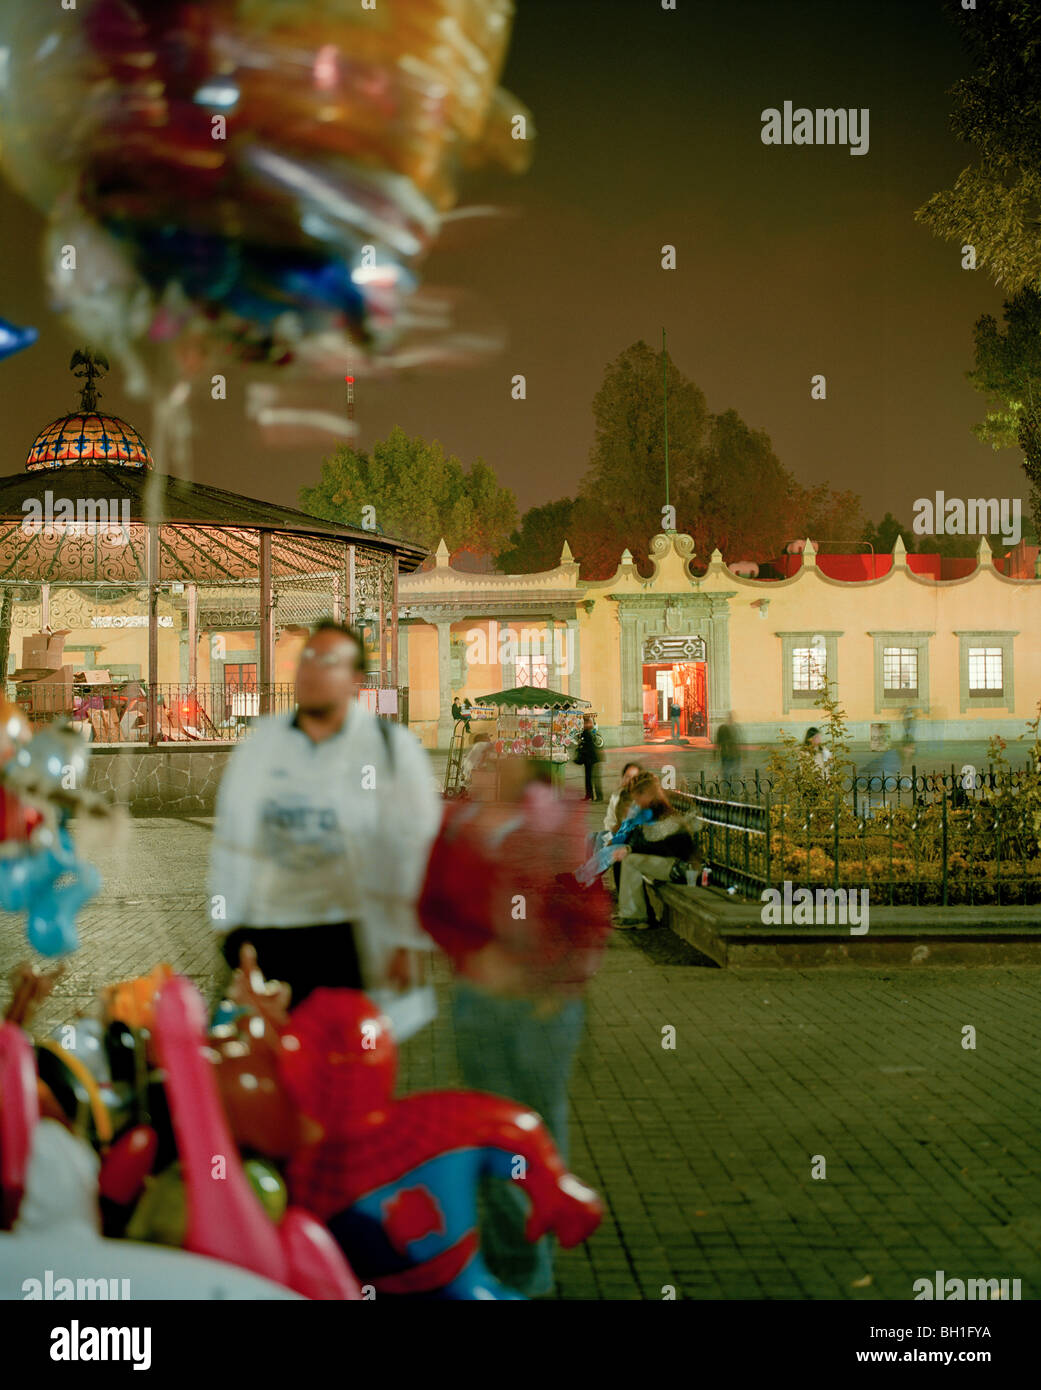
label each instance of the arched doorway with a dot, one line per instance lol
(675, 688)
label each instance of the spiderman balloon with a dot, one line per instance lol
(396, 1181)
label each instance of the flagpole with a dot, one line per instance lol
(665, 387)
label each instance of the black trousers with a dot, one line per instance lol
(304, 958)
(594, 787)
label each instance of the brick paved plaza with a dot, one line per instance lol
(703, 1153)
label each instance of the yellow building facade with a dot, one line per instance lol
(674, 653)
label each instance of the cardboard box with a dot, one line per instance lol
(92, 678)
(48, 694)
(44, 649)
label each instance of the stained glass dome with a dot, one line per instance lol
(88, 437)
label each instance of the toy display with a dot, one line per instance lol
(319, 1164)
(41, 784)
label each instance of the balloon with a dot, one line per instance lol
(259, 1113)
(225, 1219)
(19, 1112)
(14, 730)
(251, 176)
(85, 1039)
(13, 338)
(396, 1180)
(127, 1164)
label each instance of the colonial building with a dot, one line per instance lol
(964, 653)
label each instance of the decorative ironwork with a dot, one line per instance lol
(90, 364)
(664, 649)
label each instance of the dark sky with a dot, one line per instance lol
(791, 260)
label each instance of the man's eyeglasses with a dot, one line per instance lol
(333, 658)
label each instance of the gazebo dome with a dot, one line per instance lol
(87, 436)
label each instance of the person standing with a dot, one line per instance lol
(325, 817)
(589, 755)
(524, 940)
(729, 751)
(813, 747)
(675, 714)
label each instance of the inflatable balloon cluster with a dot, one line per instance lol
(324, 1174)
(256, 177)
(41, 782)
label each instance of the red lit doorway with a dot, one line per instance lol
(669, 684)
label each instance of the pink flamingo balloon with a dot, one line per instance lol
(19, 1112)
(225, 1219)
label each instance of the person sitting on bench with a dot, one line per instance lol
(651, 851)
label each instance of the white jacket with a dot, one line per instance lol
(310, 833)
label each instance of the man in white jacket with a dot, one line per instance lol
(324, 823)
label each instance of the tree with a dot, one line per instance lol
(415, 492)
(741, 500)
(882, 537)
(537, 543)
(627, 464)
(995, 204)
(1008, 372)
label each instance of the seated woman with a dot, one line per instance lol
(652, 849)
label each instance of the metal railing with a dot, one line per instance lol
(948, 846)
(119, 712)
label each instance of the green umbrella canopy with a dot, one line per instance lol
(531, 697)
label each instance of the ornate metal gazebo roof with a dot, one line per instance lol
(93, 474)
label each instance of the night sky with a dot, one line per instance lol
(791, 260)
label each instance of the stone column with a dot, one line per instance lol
(574, 678)
(445, 722)
(631, 678)
(552, 674)
(718, 661)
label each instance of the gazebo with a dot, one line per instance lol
(159, 611)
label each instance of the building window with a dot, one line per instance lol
(985, 671)
(900, 670)
(986, 674)
(809, 668)
(533, 671)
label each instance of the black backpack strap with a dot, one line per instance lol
(388, 742)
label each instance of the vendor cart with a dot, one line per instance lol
(523, 722)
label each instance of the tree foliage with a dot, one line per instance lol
(1008, 373)
(417, 492)
(995, 204)
(727, 486)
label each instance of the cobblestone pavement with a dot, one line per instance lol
(703, 1152)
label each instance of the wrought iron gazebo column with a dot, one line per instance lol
(383, 631)
(352, 599)
(394, 629)
(193, 634)
(152, 579)
(267, 625)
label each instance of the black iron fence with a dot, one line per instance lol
(942, 844)
(121, 712)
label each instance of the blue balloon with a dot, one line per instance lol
(13, 338)
(51, 885)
